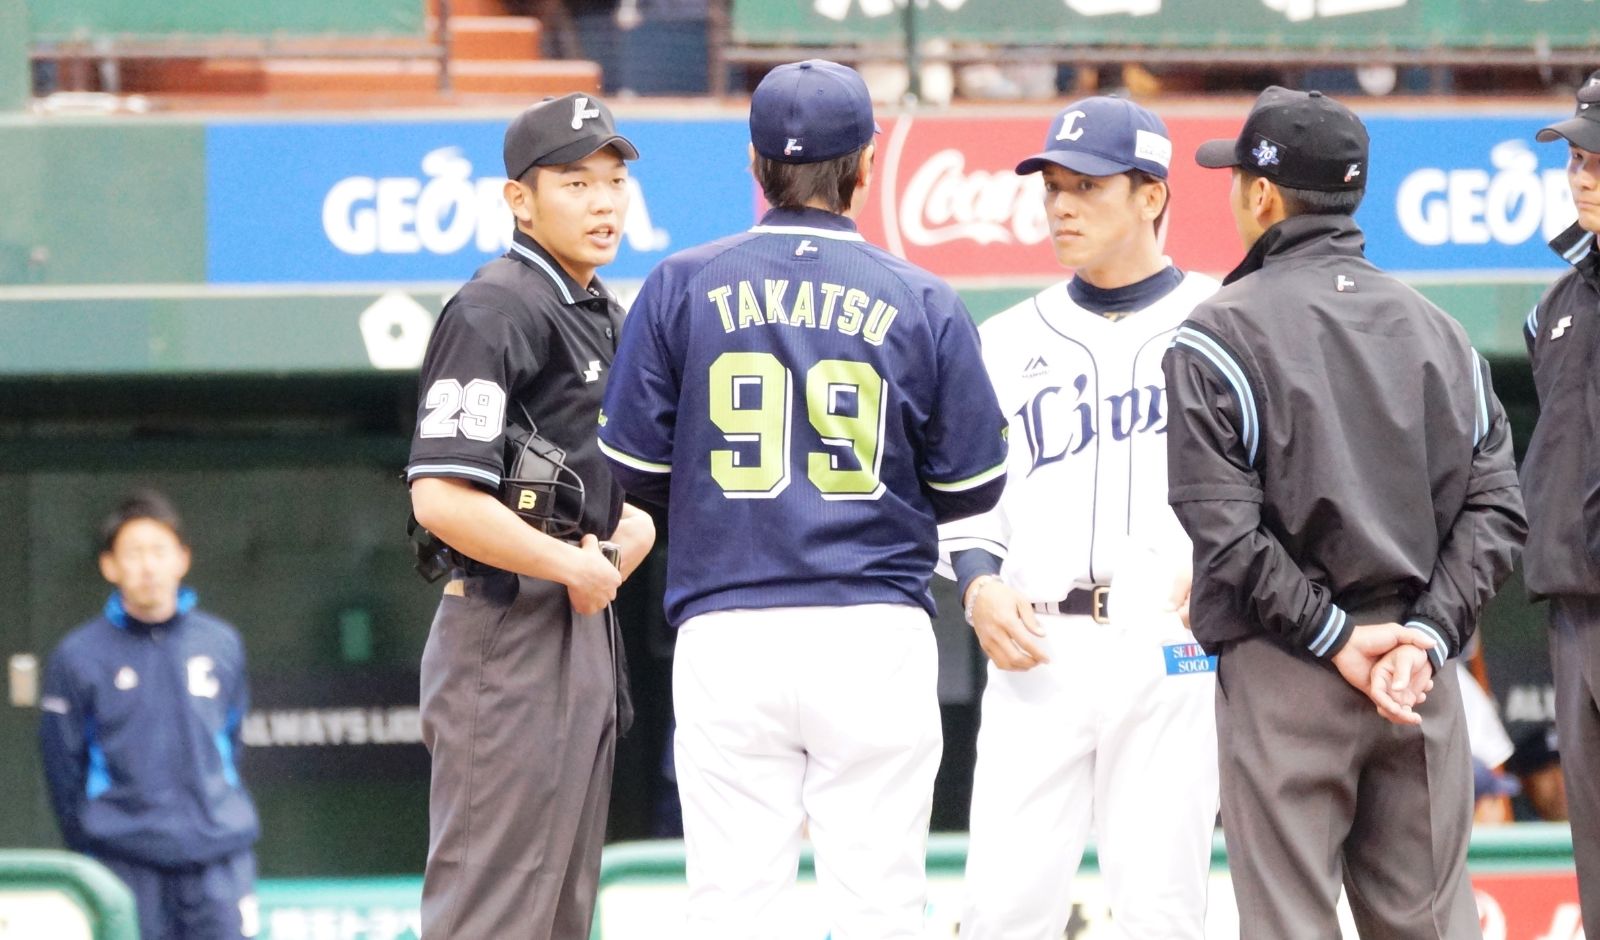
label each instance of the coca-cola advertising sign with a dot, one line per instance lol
(948, 199)
(1532, 906)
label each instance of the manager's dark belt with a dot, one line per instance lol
(1080, 602)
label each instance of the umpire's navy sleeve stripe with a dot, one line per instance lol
(1331, 628)
(1230, 370)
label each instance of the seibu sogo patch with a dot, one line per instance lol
(1185, 658)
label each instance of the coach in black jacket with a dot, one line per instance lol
(1344, 469)
(1560, 477)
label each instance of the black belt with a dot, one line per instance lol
(1080, 602)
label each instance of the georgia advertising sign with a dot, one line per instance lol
(405, 202)
(412, 202)
(947, 198)
(1447, 195)
(1464, 194)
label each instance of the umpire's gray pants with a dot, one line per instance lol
(1575, 660)
(518, 713)
(1318, 789)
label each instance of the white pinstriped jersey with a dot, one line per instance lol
(1086, 487)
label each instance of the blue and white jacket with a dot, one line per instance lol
(139, 728)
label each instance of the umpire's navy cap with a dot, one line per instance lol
(1103, 136)
(1583, 128)
(1299, 139)
(811, 111)
(558, 131)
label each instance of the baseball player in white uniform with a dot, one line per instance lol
(1098, 713)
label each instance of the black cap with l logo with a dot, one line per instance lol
(558, 131)
(1298, 139)
(1583, 128)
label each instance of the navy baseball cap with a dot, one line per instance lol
(811, 111)
(1103, 136)
(1299, 139)
(558, 131)
(1583, 128)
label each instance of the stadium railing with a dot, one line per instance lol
(107, 32)
(47, 889)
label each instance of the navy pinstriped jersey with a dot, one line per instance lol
(809, 407)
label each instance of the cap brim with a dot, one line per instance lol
(1216, 155)
(1075, 160)
(1579, 131)
(574, 152)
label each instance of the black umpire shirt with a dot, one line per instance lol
(521, 334)
(1559, 473)
(1334, 444)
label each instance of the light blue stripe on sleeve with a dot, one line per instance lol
(1480, 415)
(1440, 649)
(98, 779)
(224, 739)
(1235, 376)
(1332, 626)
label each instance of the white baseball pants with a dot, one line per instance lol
(819, 720)
(1102, 738)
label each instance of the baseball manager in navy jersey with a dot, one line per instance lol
(523, 691)
(1343, 468)
(808, 407)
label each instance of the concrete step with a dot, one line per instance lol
(469, 8)
(492, 37)
(417, 76)
(193, 76)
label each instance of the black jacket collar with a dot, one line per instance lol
(1576, 246)
(534, 255)
(1302, 236)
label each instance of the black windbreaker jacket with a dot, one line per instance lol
(1334, 445)
(1561, 472)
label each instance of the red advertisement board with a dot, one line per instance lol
(946, 197)
(1532, 906)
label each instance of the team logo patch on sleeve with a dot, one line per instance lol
(1186, 658)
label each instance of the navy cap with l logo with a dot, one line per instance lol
(1104, 136)
(1583, 128)
(1299, 139)
(811, 111)
(558, 131)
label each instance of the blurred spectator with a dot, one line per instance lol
(1492, 787)
(556, 26)
(1537, 764)
(1492, 791)
(139, 729)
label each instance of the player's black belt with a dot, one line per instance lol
(1080, 602)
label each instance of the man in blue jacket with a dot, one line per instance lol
(139, 729)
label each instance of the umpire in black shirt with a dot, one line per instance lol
(1344, 470)
(522, 686)
(1561, 476)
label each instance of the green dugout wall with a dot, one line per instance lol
(1398, 24)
